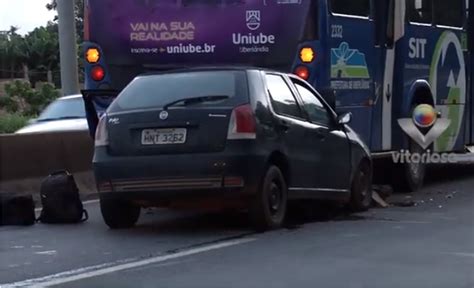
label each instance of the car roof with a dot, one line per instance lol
(210, 68)
(75, 96)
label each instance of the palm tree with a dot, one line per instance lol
(12, 50)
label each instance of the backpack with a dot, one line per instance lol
(17, 210)
(60, 200)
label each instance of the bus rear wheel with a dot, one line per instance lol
(410, 175)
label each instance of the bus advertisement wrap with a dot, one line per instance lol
(164, 32)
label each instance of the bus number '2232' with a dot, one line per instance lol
(336, 31)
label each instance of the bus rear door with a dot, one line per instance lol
(353, 60)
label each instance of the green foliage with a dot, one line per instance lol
(10, 123)
(38, 50)
(21, 98)
(79, 12)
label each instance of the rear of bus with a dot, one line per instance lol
(125, 38)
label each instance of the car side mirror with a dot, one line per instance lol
(344, 118)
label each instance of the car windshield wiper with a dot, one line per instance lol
(59, 118)
(195, 100)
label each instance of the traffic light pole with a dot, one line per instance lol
(67, 47)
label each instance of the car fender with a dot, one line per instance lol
(358, 151)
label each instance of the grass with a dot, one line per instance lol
(9, 123)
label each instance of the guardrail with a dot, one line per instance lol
(25, 160)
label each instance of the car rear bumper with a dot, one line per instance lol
(167, 177)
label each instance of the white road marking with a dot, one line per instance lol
(49, 252)
(83, 203)
(470, 255)
(107, 268)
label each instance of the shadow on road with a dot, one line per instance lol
(449, 173)
(162, 221)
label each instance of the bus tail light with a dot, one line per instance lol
(98, 73)
(92, 55)
(302, 72)
(242, 123)
(307, 55)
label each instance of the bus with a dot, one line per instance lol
(382, 60)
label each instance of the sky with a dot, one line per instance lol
(25, 14)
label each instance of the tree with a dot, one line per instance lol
(11, 50)
(79, 12)
(42, 51)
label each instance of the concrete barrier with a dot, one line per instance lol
(26, 159)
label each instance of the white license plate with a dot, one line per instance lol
(163, 136)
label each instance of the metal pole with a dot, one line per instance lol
(67, 47)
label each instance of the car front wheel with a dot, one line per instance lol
(361, 188)
(119, 214)
(268, 208)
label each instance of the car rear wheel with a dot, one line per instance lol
(119, 214)
(268, 208)
(361, 188)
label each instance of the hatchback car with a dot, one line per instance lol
(244, 135)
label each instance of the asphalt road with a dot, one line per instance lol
(427, 245)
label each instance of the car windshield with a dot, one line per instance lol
(160, 90)
(71, 108)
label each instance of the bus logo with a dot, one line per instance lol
(424, 117)
(253, 19)
(348, 63)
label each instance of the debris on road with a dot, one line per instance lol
(406, 202)
(378, 200)
(384, 191)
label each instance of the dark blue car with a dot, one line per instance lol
(245, 136)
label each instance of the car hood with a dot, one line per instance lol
(55, 126)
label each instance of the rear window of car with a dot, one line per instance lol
(152, 91)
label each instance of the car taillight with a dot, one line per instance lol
(101, 133)
(242, 123)
(98, 73)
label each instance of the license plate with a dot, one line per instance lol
(163, 136)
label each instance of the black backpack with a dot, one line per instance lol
(17, 210)
(60, 200)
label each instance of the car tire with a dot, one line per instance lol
(269, 206)
(119, 214)
(361, 188)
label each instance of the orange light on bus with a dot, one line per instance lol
(307, 54)
(92, 55)
(302, 72)
(98, 73)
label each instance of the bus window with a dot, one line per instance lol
(391, 24)
(419, 11)
(449, 13)
(311, 30)
(353, 7)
